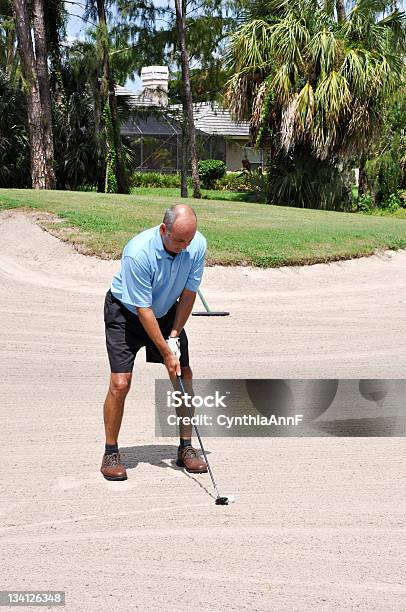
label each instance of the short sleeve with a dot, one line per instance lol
(136, 281)
(196, 272)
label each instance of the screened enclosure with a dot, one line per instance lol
(156, 142)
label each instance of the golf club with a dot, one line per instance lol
(220, 500)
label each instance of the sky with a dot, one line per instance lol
(76, 29)
(76, 25)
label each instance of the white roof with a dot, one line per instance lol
(214, 119)
(134, 99)
(210, 117)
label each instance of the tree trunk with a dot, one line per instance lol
(185, 156)
(101, 172)
(34, 107)
(53, 10)
(270, 159)
(104, 92)
(41, 54)
(364, 184)
(340, 8)
(187, 95)
(115, 178)
(362, 178)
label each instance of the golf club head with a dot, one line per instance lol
(211, 313)
(224, 501)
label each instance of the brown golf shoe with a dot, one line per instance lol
(189, 459)
(111, 467)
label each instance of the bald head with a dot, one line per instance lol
(181, 214)
(178, 227)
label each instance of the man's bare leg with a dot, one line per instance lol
(114, 405)
(120, 384)
(185, 431)
(187, 456)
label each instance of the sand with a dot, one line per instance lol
(319, 523)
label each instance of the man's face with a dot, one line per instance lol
(178, 237)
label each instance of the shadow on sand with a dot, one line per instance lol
(160, 455)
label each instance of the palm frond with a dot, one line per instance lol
(250, 46)
(282, 83)
(288, 125)
(322, 49)
(305, 109)
(288, 39)
(333, 96)
(257, 106)
(356, 69)
(238, 95)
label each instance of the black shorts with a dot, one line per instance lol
(125, 336)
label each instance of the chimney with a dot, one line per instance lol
(154, 81)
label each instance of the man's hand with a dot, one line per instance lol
(172, 365)
(174, 345)
(150, 324)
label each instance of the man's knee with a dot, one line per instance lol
(120, 383)
(187, 373)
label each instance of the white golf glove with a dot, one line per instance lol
(174, 345)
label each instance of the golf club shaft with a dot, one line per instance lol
(205, 304)
(198, 437)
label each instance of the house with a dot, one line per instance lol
(155, 133)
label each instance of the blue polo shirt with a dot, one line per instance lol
(150, 276)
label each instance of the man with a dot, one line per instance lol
(148, 304)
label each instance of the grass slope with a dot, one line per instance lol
(238, 233)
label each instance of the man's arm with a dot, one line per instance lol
(150, 324)
(183, 311)
(188, 295)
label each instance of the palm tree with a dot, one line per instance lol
(115, 175)
(312, 83)
(80, 141)
(78, 151)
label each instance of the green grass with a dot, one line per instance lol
(237, 232)
(208, 194)
(400, 213)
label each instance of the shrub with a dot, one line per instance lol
(254, 184)
(392, 203)
(258, 186)
(211, 170)
(154, 179)
(364, 203)
(14, 143)
(232, 181)
(386, 173)
(300, 179)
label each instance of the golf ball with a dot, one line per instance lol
(231, 499)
